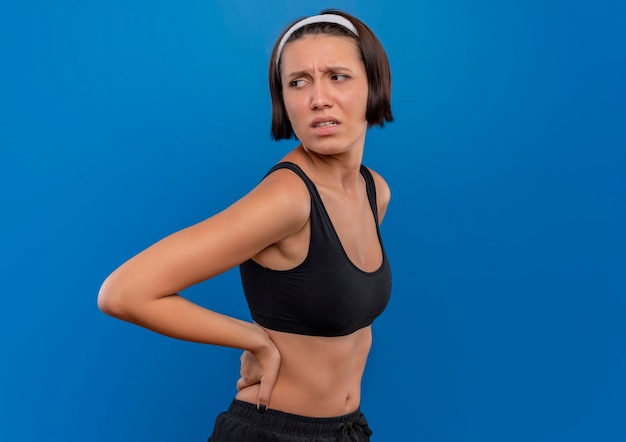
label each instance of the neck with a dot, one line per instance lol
(339, 171)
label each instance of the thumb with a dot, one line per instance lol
(265, 392)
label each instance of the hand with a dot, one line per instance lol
(260, 367)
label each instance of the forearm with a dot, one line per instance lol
(179, 318)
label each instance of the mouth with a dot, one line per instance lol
(325, 124)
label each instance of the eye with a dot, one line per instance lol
(296, 83)
(339, 77)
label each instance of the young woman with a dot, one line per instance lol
(307, 241)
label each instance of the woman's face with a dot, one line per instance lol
(325, 93)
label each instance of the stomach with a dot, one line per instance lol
(319, 376)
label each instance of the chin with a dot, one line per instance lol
(325, 147)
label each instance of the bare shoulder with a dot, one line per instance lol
(285, 192)
(276, 208)
(383, 193)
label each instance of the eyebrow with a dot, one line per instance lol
(297, 74)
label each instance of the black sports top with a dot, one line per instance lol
(326, 294)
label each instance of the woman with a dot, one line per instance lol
(307, 241)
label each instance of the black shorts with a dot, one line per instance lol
(243, 423)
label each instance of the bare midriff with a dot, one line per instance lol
(319, 376)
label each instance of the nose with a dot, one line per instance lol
(320, 96)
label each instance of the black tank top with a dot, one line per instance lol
(325, 295)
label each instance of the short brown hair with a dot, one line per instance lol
(376, 67)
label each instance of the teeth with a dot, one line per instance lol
(325, 124)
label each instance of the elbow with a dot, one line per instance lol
(113, 301)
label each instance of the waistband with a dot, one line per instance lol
(295, 424)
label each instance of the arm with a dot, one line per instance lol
(383, 195)
(144, 289)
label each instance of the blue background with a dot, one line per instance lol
(123, 121)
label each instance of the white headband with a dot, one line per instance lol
(324, 18)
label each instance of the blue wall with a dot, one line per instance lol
(121, 122)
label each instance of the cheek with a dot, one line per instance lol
(292, 110)
(362, 100)
(361, 107)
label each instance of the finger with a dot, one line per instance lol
(240, 384)
(244, 382)
(265, 392)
